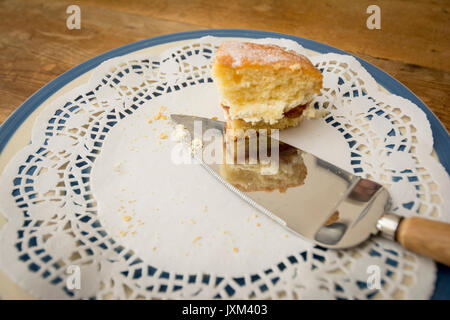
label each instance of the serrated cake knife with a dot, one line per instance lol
(319, 201)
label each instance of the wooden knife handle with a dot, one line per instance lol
(427, 237)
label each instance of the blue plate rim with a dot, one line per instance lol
(440, 134)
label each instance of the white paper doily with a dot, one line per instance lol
(97, 189)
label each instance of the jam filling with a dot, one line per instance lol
(296, 112)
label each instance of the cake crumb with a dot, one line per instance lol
(255, 215)
(126, 218)
(258, 224)
(192, 221)
(205, 208)
(196, 145)
(285, 235)
(153, 248)
(196, 239)
(332, 219)
(118, 167)
(311, 113)
(179, 133)
(157, 116)
(162, 135)
(214, 118)
(123, 233)
(235, 249)
(140, 222)
(149, 121)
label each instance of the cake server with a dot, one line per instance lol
(331, 207)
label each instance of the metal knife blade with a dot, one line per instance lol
(309, 196)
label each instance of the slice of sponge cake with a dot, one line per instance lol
(263, 86)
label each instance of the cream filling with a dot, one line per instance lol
(312, 113)
(270, 113)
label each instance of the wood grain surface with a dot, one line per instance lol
(412, 45)
(427, 237)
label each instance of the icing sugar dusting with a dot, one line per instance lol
(241, 53)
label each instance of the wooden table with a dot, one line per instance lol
(413, 44)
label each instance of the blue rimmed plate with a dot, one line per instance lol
(440, 135)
